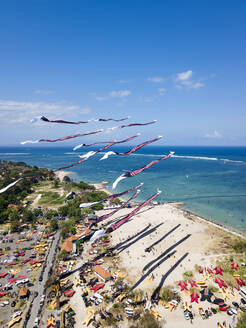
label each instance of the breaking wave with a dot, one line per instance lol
(14, 154)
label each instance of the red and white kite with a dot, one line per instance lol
(131, 150)
(106, 216)
(45, 119)
(91, 153)
(63, 138)
(130, 174)
(137, 209)
(111, 197)
(112, 143)
(130, 125)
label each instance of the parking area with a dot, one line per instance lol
(22, 257)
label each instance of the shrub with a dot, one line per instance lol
(149, 321)
(213, 289)
(241, 322)
(167, 294)
(239, 246)
(187, 275)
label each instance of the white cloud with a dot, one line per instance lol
(183, 81)
(119, 94)
(184, 76)
(20, 112)
(156, 79)
(214, 134)
(197, 85)
(162, 91)
(43, 92)
(124, 81)
(98, 98)
(112, 94)
(146, 99)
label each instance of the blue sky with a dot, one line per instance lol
(181, 62)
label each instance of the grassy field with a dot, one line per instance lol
(50, 197)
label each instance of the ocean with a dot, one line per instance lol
(211, 181)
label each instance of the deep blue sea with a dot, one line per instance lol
(211, 181)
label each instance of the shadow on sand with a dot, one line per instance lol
(148, 249)
(156, 293)
(166, 252)
(146, 233)
(152, 269)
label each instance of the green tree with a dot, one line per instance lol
(56, 183)
(241, 322)
(54, 224)
(27, 215)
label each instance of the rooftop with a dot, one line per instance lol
(102, 272)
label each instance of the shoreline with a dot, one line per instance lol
(222, 226)
(186, 212)
(61, 174)
(177, 205)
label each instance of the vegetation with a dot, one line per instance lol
(14, 196)
(149, 321)
(168, 295)
(188, 275)
(213, 289)
(50, 197)
(241, 322)
(239, 246)
(67, 228)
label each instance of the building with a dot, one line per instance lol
(102, 273)
(69, 244)
(24, 292)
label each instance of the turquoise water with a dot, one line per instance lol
(211, 181)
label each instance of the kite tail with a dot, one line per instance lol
(121, 177)
(125, 219)
(107, 155)
(98, 234)
(10, 185)
(111, 196)
(88, 155)
(29, 141)
(106, 216)
(83, 205)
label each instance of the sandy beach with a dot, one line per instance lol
(165, 229)
(61, 174)
(172, 231)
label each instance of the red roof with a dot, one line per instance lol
(101, 272)
(69, 292)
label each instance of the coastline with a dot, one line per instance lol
(61, 174)
(223, 227)
(186, 213)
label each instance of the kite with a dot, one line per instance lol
(45, 119)
(131, 150)
(130, 125)
(111, 197)
(112, 143)
(137, 171)
(89, 145)
(10, 185)
(111, 119)
(94, 143)
(63, 138)
(91, 153)
(106, 216)
(126, 218)
(97, 234)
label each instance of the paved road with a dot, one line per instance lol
(40, 285)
